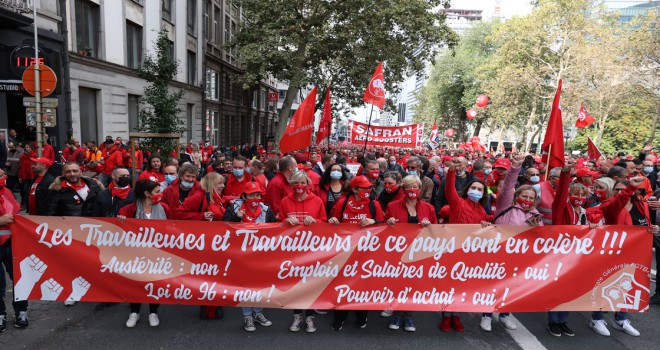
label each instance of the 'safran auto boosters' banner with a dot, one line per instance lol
(405, 267)
(409, 136)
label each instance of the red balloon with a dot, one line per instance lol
(482, 100)
(449, 132)
(471, 113)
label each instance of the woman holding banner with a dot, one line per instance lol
(409, 210)
(468, 208)
(302, 207)
(359, 209)
(331, 186)
(626, 207)
(147, 206)
(249, 209)
(392, 189)
(517, 208)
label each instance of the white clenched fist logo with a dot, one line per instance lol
(32, 268)
(80, 287)
(50, 290)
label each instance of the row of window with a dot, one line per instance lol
(232, 91)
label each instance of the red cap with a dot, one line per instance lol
(653, 159)
(45, 161)
(117, 142)
(502, 163)
(629, 157)
(360, 182)
(251, 187)
(537, 159)
(446, 158)
(586, 172)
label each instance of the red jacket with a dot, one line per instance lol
(614, 209)
(316, 179)
(463, 210)
(130, 210)
(171, 193)
(8, 205)
(47, 151)
(112, 160)
(156, 176)
(25, 166)
(562, 213)
(310, 206)
(277, 189)
(196, 204)
(233, 187)
(397, 209)
(355, 212)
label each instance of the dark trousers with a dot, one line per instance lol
(153, 308)
(6, 260)
(342, 315)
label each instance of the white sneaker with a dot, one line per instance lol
(486, 323)
(600, 327)
(626, 327)
(69, 303)
(262, 320)
(387, 313)
(310, 327)
(132, 320)
(248, 324)
(297, 321)
(508, 322)
(153, 320)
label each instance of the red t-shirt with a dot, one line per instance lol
(32, 199)
(355, 212)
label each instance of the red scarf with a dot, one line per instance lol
(76, 187)
(250, 215)
(118, 191)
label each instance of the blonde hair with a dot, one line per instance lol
(526, 188)
(410, 180)
(298, 176)
(210, 181)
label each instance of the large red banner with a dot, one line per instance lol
(409, 136)
(405, 267)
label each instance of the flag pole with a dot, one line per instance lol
(547, 165)
(366, 138)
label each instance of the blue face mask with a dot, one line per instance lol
(475, 195)
(169, 179)
(187, 185)
(412, 172)
(461, 174)
(534, 178)
(238, 172)
(393, 163)
(648, 170)
(335, 175)
(487, 171)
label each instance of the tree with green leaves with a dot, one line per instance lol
(160, 107)
(337, 43)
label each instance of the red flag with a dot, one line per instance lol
(584, 119)
(592, 150)
(554, 135)
(298, 133)
(326, 120)
(375, 92)
(433, 137)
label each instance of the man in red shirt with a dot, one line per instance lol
(47, 151)
(71, 153)
(237, 178)
(279, 187)
(37, 199)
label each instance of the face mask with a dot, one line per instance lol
(461, 174)
(299, 190)
(248, 170)
(363, 195)
(253, 203)
(157, 198)
(577, 201)
(524, 203)
(601, 194)
(648, 170)
(390, 188)
(537, 187)
(412, 172)
(475, 195)
(238, 172)
(123, 181)
(374, 174)
(169, 179)
(412, 193)
(534, 178)
(187, 185)
(392, 164)
(335, 175)
(487, 171)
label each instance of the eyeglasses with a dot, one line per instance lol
(412, 168)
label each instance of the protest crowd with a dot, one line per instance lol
(387, 186)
